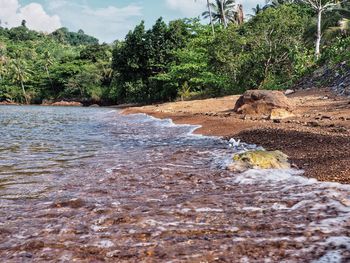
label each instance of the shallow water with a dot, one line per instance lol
(91, 185)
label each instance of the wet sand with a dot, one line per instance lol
(317, 139)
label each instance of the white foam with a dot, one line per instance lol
(111, 111)
(208, 209)
(96, 228)
(330, 257)
(277, 206)
(252, 176)
(170, 123)
(104, 244)
(252, 209)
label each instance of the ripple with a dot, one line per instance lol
(91, 185)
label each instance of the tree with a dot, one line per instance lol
(264, 52)
(320, 6)
(20, 74)
(223, 11)
(3, 70)
(47, 63)
(341, 15)
(64, 36)
(210, 17)
(189, 75)
(257, 10)
(146, 54)
(130, 62)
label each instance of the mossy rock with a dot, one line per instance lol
(259, 159)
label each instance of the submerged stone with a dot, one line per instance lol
(259, 159)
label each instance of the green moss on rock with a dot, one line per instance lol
(259, 159)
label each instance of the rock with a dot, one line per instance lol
(7, 102)
(280, 114)
(289, 91)
(340, 129)
(262, 102)
(94, 106)
(326, 117)
(259, 159)
(313, 124)
(73, 203)
(67, 103)
(345, 202)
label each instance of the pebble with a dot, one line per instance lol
(313, 124)
(289, 91)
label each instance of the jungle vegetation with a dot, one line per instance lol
(183, 59)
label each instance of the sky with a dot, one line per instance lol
(108, 20)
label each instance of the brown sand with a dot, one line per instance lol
(317, 139)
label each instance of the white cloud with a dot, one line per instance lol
(189, 8)
(11, 15)
(106, 23)
(192, 8)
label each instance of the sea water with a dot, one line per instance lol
(92, 185)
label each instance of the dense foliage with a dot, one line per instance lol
(36, 67)
(182, 59)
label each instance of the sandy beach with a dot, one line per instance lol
(317, 138)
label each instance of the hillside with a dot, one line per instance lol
(60, 66)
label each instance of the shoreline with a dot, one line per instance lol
(317, 139)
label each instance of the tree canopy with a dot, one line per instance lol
(181, 59)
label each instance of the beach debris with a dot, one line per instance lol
(259, 159)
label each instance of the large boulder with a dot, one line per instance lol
(259, 159)
(262, 102)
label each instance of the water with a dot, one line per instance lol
(91, 185)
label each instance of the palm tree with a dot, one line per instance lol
(320, 7)
(20, 74)
(223, 11)
(277, 3)
(3, 71)
(343, 28)
(210, 17)
(47, 63)
(3, 68)
(343, 25)
(257, 10)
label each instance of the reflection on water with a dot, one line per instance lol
(90, 185)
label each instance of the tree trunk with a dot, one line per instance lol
(319, 34)
(223, 13)
(240, 16)
(24, 93)
(211, 18)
